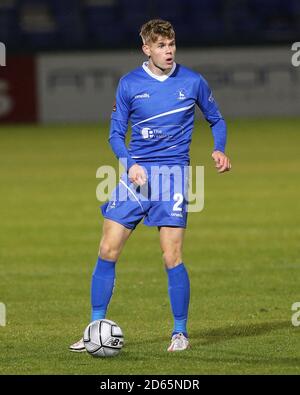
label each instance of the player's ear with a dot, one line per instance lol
(146, 49)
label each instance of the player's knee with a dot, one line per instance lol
(172, 258)
(108, 252)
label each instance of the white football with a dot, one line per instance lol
(103, 338)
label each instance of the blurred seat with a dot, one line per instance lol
(9, 32)
(48, 24)
(102, 23)
(277, 17)
(37, 24)
(240, 22)
(70, 22)
(171, 10)
(205, 18)
(133, 14)
(204, 7)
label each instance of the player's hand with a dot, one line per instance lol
(222, 161)
(137, 175)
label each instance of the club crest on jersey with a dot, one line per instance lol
(181, 94)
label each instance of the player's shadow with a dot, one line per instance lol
(222, 334)
(226, 333)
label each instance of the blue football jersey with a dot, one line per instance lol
(161, 111)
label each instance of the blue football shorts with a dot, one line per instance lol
(162, 201)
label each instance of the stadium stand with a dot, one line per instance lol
(88, 24)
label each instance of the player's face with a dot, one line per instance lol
(161, 54)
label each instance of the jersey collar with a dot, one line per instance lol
(158, 77)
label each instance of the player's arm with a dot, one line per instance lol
(217, 123)
(117, 135)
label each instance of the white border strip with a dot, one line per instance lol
(165, 113)
(136, 198)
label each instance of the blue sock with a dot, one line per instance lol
(179, 294)
(103, 281)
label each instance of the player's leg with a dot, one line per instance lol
(114, 236)
(171, 241)
(112, 242)
(122, 214)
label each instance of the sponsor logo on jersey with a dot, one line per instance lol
(142, 96)
(147, 133)
(158, 133)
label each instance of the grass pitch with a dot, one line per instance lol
(242, 253)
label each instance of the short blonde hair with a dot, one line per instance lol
(154, 28)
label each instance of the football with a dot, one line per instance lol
(103, 338)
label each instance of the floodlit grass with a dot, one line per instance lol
(242, 253)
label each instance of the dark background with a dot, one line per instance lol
(38, 25)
